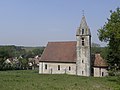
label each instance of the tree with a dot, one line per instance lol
(110, 33)
(10, 52)
(23, 63)
(95, 48)
(38, 51)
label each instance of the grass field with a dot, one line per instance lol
(31, 80)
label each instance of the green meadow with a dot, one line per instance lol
(31, 80)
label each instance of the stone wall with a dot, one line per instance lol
(57, 68)
(84, 56)
(100, 72)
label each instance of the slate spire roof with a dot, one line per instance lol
(83, 25)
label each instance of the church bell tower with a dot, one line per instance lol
(83, 49)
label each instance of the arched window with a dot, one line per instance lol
(45, 66)
(58, 67)
(102, 73)
(82, 31)
(69, 68)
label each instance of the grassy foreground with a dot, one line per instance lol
(31, 80)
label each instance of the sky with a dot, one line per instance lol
(37, 22)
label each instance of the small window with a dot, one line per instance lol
(58, 67)
(82, 61)
(82, 41)
(82, 72)
(82, 31)
(102, 73)
(45, 66)
(69, 68)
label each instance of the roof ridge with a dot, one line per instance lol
(61, 41)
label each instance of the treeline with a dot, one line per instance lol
(96, 48)
(17, 57)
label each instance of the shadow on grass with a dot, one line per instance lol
(115, 79)
(112, 79)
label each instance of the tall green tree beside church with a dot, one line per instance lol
(110, 33)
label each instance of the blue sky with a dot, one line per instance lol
(35, 22)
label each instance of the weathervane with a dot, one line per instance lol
(83, 12)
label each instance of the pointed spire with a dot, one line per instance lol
(83, 25)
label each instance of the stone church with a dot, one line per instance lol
(73, 57)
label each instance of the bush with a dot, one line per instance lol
(111, 73)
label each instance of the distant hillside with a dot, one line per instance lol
(16, 51)
(31, 48)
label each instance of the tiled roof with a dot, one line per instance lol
(60, 52)
(99, 61)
